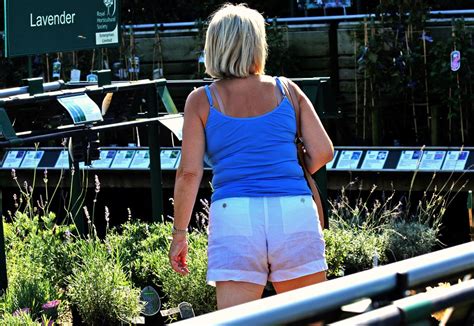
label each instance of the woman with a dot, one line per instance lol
(263, 222)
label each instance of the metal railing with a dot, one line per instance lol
(415, 308)
(144, 29)
(17, 98)
(316, 300)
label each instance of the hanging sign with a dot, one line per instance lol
(56, 69)
(75, 75)
(455, 60)
(36, 27)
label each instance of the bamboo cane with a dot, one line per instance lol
(47, 68)
(426, 80)
(450, 120)
(93, 60)
(459, 87)
(412, 91)
(356, 85)
(366, 42)
(460, 108)
(469, 210)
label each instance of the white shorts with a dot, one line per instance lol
(260, 239)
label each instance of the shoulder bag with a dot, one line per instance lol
(301, 152)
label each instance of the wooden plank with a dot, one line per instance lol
(347, 87)
(309, 43)
(345, 41)
(347, 74)
(346, 62)
(173, 48)
(321, 63)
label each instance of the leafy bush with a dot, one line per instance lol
(351, 249)
(18, 319)
(100, 290)
(144, 248)
(193, 287)
(410, 239)
(28, 286)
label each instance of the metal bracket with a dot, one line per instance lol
(6, 128)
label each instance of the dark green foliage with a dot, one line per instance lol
(406, 81)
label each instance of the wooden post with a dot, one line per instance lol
(155, 160)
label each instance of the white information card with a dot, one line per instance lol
(349, 160)
(63, 160)
(374, 160)
(432, 160)
(122, 159)
(409, 160)
(141, 160)
(32, 159)
(169, 157)
(455, 161)
(13, 159)
(106, 157)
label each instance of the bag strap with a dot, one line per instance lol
(300, 150)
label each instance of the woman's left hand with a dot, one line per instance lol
(177, 254)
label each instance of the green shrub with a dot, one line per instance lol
(191, 288)
(351, 249)
(410, 239)
(100, 290)
(28, 286)
(132, 241)
(144, 248)
(18, 319)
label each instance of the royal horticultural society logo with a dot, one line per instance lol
(109, 4)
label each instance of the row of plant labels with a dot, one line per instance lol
(344, 159)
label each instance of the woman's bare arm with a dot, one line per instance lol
(318, 145)
(188, 178)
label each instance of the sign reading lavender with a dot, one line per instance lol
(35, 27)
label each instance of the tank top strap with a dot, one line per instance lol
(280, 86)
(208, 94)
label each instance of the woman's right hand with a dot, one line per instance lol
(177, 254)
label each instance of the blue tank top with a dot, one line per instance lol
(254, 156)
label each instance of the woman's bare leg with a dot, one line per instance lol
(231, 293)
(299, 282)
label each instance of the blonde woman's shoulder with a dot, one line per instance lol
(197, 103)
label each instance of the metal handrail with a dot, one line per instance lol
(414, 308)
(292, 20)
(324, 297)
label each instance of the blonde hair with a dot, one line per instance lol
(236, 44)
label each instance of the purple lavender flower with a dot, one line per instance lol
(45, 179)
(50, 309)
(97, 183)
(18, 312)
(54, 304)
